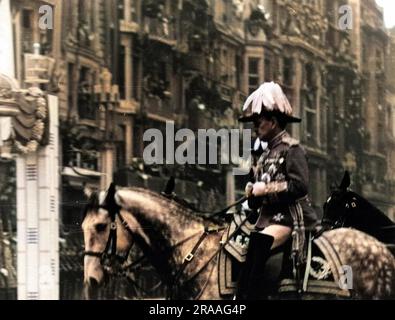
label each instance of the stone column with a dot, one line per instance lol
(107, 166)
(296, 103)
(6, 59)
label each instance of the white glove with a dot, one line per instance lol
(248, 189)
(259, 189)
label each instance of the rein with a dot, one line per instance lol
(191, 255)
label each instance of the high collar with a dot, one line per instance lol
(277, 139)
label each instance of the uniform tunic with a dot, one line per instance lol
(283, 161)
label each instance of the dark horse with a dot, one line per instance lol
(346, 209)
(184, 247)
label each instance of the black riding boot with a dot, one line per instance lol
(261, 253)
(245, 272)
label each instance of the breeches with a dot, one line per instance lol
(280, 234)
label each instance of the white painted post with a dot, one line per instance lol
(38, 217)
(48, 218)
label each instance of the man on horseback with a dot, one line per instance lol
(279, 186)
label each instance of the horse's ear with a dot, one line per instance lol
(171, 184)
(94, 200)
(346, 181)
(110, 197)
(110, 201)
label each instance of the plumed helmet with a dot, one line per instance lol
(268, 99)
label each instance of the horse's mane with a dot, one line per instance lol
(375, 212)
(182, 206)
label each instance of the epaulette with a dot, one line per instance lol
(290, 141)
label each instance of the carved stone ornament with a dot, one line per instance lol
(8, 106)
(304, 21)
(259, 20)
(29, 112)
(29, 126)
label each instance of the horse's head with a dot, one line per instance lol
(338, 204)
(104, 238)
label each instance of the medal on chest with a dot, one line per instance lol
(271, 169)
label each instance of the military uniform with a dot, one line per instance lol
(278, 188)
(284, 166)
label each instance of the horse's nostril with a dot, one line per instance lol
(93, 283)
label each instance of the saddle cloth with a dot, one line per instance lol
(322, 276)
(238, 245)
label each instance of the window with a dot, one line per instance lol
(70, 90)
(365, 54)
(239, 71)
(309, 103)
(135, 76)
(121, 9)
(253, 74)
(310, 80)
(27, 31)
(122, 72)
(86, 107)
(225, 12)
(120, 159)
(134, 10)
(268, 70)
(46, 40)
(27, 19)
(288, 71)
(138, 144)
(381, 132)
(156, 77)
(379, 61)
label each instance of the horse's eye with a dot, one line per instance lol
(101, 227)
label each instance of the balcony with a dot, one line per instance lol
(226, 93)
(161, 30)
(156, 106)
(83, 159)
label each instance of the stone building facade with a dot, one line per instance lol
(370, 42)
(124, 66)
(390, 104)
(334, 77)
(193, 63)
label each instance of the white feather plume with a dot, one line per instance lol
(269, 96)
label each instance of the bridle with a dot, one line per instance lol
(110, 251)
(340, 222)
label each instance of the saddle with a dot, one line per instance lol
(320, 276)
(237, 246)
